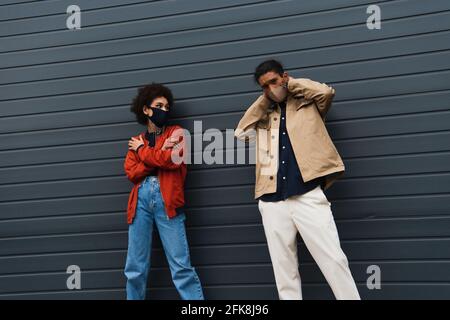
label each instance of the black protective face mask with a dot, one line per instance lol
(159, 117)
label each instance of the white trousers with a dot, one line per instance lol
(310, 215)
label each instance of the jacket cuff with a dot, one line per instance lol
(139, 148)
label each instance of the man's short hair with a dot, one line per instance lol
(267, 66)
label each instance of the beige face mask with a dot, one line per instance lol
(279, 94)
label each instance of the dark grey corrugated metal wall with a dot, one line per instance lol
(64, 123)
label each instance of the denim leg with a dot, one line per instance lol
(173, 237)
(139, 246)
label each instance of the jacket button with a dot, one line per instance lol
(273, 137)
(271, 178)
(275, 119)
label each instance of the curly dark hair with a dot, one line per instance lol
(145, 96)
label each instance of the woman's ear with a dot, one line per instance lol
(147, 110)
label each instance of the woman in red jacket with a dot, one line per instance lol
(154, 163)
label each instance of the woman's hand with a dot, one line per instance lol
(134, 143)
(171, 143)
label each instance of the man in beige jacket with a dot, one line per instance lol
(295, 161)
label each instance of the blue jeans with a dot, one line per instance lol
(150, 212)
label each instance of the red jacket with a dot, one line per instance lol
(171, 174)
